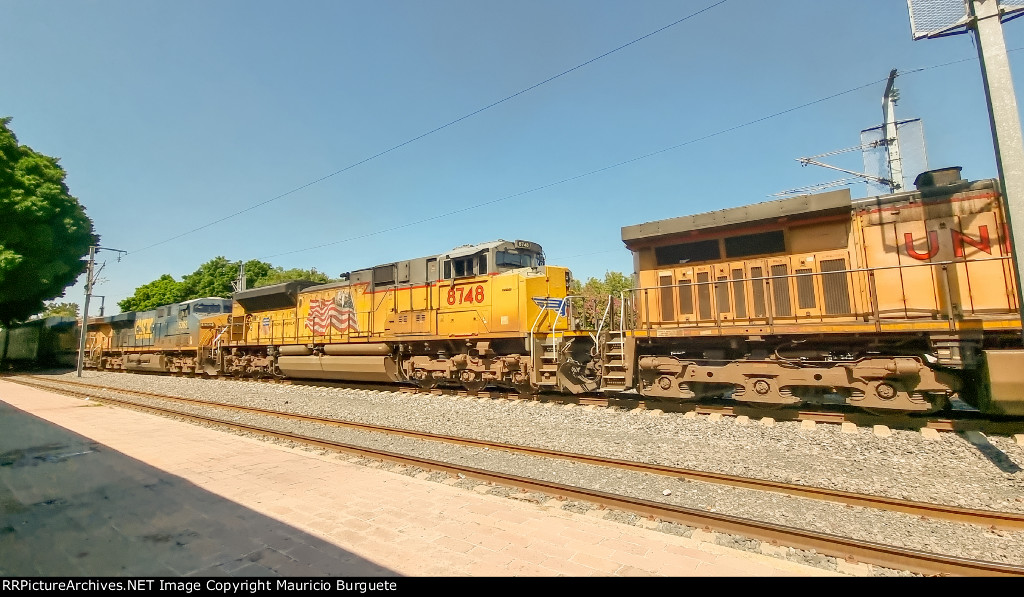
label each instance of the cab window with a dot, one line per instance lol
(510, 259)
(464, 267)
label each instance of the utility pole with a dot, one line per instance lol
(892, 143)
(240, 282)
(1005, 121)
(89, 281)
(938, 18)
(84, 328)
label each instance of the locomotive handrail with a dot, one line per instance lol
(600, 324)
(610, 309)
(216, 340)
(536, 322)
(540, 314)
(840, 271)
(941, 284)
(622, 310)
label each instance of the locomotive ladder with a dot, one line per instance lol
(613, 356)
(613, 362)
(545, 347)
(547, 361)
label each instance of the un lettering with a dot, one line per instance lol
(982, 243)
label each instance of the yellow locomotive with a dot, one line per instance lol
(176, 338)
(893, 302)
(897, 303)
(484, 314)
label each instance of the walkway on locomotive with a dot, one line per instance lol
(928, 260)
(467, 292)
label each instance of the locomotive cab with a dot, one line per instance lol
(500, 257)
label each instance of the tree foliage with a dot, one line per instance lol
(278, 275)
(162, 291)
(44, 232)
(60, 310)
(213, 278)
(594, 295)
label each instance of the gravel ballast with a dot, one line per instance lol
(948, 470)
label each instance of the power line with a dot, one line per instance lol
(618, 164)
(432, 131)
(583, 175)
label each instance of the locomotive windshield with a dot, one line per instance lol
(205, 308)
(510, 259)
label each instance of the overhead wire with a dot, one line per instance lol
(434, 130)
(621, 163)
(899, 73)
(611, 166)
(578, 176)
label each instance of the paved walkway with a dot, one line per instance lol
(92, 490)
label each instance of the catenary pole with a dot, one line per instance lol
(1005, 122)
(89, 281)
(84, 328)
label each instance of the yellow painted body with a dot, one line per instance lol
(213, 329)
(483, 307)
(904, 266)
(99, 336)
(144, 330)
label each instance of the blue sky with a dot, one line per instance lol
(171, 116)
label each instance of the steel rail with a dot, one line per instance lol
(965, 421)
(1012, 521)
(834, 545)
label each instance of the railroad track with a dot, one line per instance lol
(946, 421)
(840, 547)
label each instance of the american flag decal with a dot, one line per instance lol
(555, 304)
(338, 314)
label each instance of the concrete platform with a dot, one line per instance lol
(93, 490)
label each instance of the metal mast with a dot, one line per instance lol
(889, 99)
(240, 282)
(89, 281)
(938, 18)
(1004, 119)
(83, 330)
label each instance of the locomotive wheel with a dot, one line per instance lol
(474, 386)
(765, 405)
(427, 383)
(526, 388)
(891, 412)
(939, 402)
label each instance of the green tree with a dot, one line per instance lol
(44, 232)
(162, 291)
(278, 275)
(593, 297)
(213, 278)
(60, 310)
